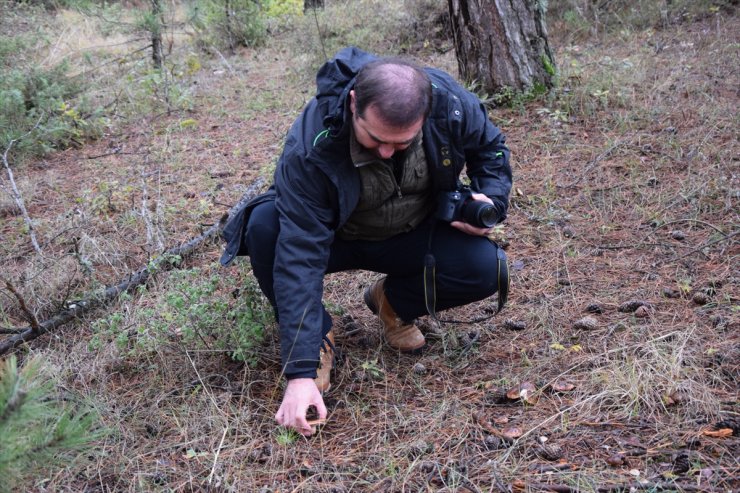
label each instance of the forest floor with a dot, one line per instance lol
(613, 367)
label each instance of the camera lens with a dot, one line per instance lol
(480, 214)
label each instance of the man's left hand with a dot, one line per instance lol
(469, 228)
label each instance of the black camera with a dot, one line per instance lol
(459, 205)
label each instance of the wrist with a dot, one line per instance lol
(308, 374)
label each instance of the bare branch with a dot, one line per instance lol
(16, 194)
(32, 320)
(5, 330)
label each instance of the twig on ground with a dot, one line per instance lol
(152, 232)
(202, 383)
(655, 487)
(550, 488)
(703, 246)
(109, 294)
(592, 164)
(32, 320)
(697, 221)
(223, 59)
(215, 456)
(16, 194)
(499, 484)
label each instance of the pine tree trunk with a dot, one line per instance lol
(312, 4)
(502, 44)
(157, 54)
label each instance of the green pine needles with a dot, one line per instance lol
(38, 430)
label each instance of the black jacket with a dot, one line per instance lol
(317, 187)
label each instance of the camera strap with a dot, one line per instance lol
(430, 291)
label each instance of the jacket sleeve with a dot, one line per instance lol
(306, 205)
(486, 154)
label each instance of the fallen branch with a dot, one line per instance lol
(16, 194)
(650, 486)
(32, 320)
(704, 245)
(4, 330)
(104, 297)
(549, 488)
(592, 164)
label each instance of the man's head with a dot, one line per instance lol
(389, 103)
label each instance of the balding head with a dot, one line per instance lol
(399, 91)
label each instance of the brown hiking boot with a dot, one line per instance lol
(326, 362)
(399, 335)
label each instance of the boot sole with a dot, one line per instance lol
(371, 305)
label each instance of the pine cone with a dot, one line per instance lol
(681, 464)
(495, 396)
(549, 452)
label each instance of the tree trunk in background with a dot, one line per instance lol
(156, 30)
(502, 44)
(312, 4)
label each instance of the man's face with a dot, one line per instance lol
(378, 137)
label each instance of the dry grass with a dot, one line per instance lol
(626, 189)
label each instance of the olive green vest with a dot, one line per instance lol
(388, 207)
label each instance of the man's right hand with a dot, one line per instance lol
(300, 394)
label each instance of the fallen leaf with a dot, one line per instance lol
(525, 391)
(562, 386)
(722, 433)
(557, 346)
(616, 460)
(512, 432)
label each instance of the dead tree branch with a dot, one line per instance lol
(32, 320)
(16, 194)
(592, 164)
(104, 297)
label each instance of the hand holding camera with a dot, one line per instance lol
(465, 206)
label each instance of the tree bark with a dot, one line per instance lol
(502, 44)
(157, 53)
(312, 4)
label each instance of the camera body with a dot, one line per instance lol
(459, 205)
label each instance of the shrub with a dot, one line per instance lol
(195, 309)
(37, 428)
(281, 8)
(40, 107)
(228, 23)
(581, 19)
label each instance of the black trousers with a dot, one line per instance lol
(466, 266)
